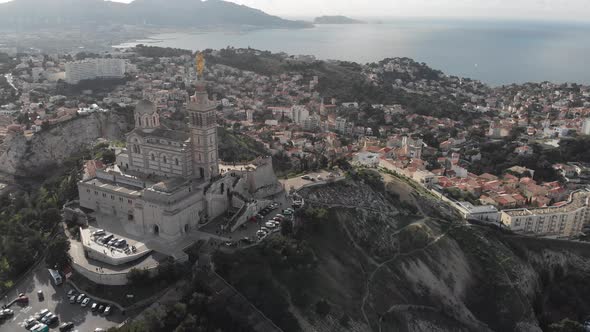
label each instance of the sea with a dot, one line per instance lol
(494, 52)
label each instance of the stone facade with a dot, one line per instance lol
(167, 183)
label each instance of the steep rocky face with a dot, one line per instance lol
(381, 270)
(20, 155)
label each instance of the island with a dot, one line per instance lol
(338, 19)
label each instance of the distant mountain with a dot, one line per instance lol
(336, 20)
(165, 13)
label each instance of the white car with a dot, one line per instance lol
(85, 302)
(270, 224)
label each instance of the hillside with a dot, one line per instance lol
(178, 13)
(336, 20)
(372, 265)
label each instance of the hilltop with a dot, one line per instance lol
(177, 13)
(386, 257)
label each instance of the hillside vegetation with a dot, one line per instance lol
(375, 265)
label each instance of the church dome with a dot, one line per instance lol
(145, 107)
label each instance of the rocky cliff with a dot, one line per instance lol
(20, 155)
(380, 267)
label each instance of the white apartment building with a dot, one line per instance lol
(586, 127)
(94, 68)
(340, 125)
(564, 221)
(299, 114)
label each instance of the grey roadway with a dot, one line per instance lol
(55, 300)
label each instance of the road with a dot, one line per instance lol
(56, 301)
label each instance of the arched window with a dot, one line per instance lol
(153, 157)
(176, 161)
(164, 159)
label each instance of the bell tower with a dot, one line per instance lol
(203, 130)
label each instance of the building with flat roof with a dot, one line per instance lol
(488, 213)
(89, 69)
(560, 221)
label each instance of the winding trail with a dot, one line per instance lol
(385, 263)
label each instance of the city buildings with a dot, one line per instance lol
(561, 221)
(94, 68)
(586, 127)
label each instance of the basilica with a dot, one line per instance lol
(167, 182)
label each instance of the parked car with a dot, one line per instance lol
(40, 295)
(306, 177)
(84, 303)
(42, 314)
(108, 310)
(80, 298)
(101, 308)
(72, 292)
(98, 232)
(73, 299)
(66, 326)
(5, 313)
(51, 319)
(121, 243)
(94, 306)
(264, 229)
(30, 322)
(40, 328)
(105, 239)
(112, 241)
(47, 318)
(270, 224)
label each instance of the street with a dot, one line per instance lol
(56, 301)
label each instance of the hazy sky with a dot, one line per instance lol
(528, 9)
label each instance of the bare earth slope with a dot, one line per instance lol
(381, 268)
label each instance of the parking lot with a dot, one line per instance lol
(250, 228)
(56, 301)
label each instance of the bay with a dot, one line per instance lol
(495, 52)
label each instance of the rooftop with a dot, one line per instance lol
(578, 199)
(120, 188)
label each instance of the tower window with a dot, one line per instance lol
(153, 157)
(164, 158)
(176, 161)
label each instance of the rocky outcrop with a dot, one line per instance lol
(386, 270)
(21, 155)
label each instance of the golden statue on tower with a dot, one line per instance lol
(200, 62)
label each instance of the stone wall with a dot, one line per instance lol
(22, 155)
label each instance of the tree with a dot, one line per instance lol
(566, 325)
(322, 308)
(50, 218)
(286, 227)
(58, 253)
(108, 156)
(137, 276)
